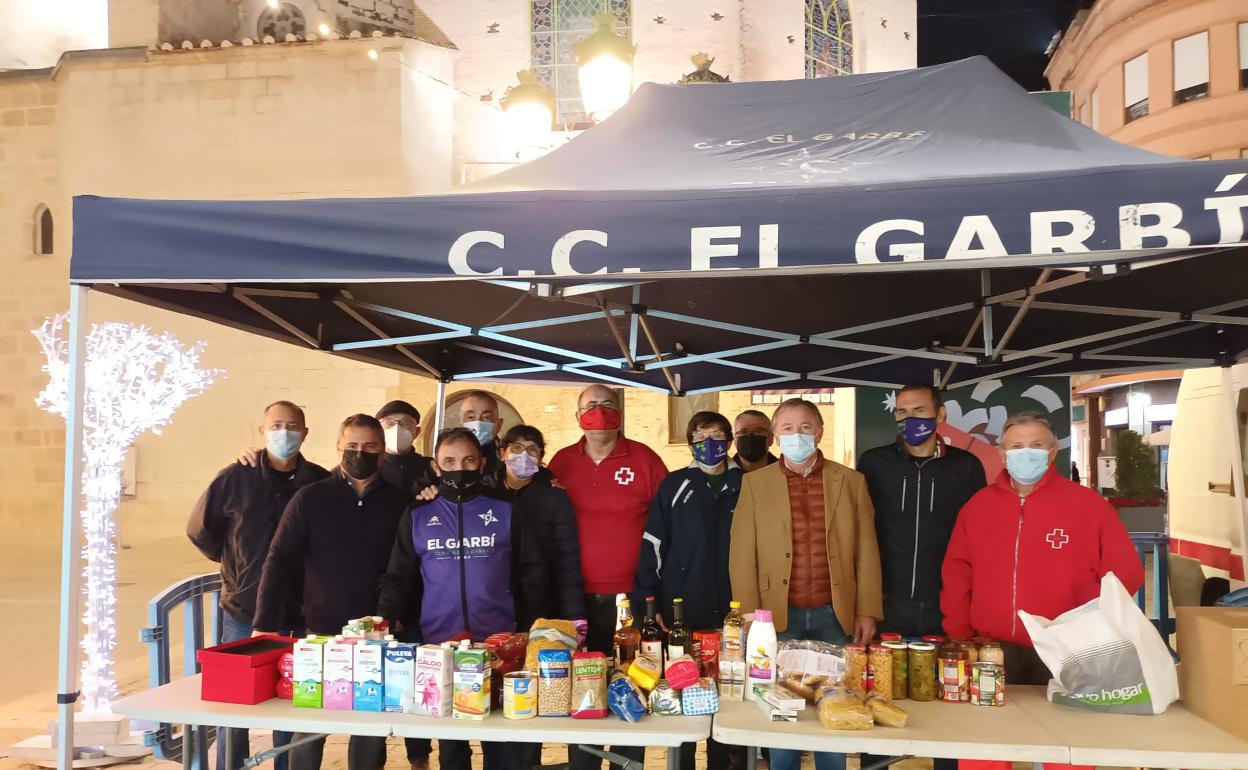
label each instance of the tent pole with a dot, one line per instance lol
(439, 413)
(632, 323)
(985, 290)
(1237, 464)
(71, 532)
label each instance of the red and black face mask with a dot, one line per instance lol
(599, 418)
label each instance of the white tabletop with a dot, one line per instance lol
(179, 703)
(1177, 738)
(934, 729)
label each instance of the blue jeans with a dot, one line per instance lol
(819, 624)
(233, 629)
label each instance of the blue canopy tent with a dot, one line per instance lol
(938, 224)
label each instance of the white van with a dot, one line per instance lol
(1205, 520)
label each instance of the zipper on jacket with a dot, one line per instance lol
(918, 502)
(463, 579)
(1018, 538)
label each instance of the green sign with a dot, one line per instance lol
(1058, 101)
(975, 416)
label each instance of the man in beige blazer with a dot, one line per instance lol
(803, 546)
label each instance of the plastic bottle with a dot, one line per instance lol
(760, 652)
(732, 655)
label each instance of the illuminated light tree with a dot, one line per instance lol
(134, 381)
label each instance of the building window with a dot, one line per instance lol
(1135, 88)
(1095, 101)
(1243, 55)
(680, 410)
(558, 25)
(829, 38)
(44, 240)
(1244, 153)
(1191, 68)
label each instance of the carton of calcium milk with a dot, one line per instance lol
(308, 662)
(431, 693)
(367, 682)
(399, 672)
(339, 659)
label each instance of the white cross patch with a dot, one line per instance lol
(1057, 538)
(624, 476)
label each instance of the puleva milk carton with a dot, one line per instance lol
(472, 682)
(339, 660)
(399, 669)
(368, 692)
(308, 666)
(431, 689)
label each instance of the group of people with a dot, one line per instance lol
(485, 536)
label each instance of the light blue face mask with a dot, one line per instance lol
(797, 447)
(484, 431)
(283, 444)
(1027, 465)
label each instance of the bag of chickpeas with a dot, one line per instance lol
(554, 683)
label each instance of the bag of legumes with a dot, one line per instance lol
(1106, 655)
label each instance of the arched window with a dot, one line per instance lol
(829, 38)
(43, 230)
(555, 26)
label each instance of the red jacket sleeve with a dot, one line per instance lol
(955, 573)
(1118, 554)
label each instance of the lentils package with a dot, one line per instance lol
(589, 685)
(554, 683)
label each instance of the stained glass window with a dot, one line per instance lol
(558, 25)
(829, 38)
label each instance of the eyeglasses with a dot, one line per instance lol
(532, 451)
(605, 404)
(718, 435)
(760, 432)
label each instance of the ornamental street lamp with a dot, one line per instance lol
(530, 110)
(702, 71)
(604, 62)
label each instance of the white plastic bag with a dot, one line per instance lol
(1106, 656)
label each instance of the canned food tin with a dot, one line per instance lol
(988, 684)
(519, 695)
(953, 686)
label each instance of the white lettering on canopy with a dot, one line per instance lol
(972, 227)
(865, 247)
(458, 256)
(561, 254)
(1133, 231)
(1045, 241)
(703, 249)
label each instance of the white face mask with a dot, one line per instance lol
(283, 444)
(398, 439)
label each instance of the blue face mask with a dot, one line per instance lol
(484, 431)
(283, 444)
(710, 452)
(1027, 465)
(915, 430)
(797, 447)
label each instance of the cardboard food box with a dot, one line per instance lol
(244, 671)
(1213, 677)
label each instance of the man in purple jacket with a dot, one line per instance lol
(481, 573)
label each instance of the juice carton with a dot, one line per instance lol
(472, 682)
(368, 689)
(308, 665)
(339, 659)
(431, 687)
(399, 670)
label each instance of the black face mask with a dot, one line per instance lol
(360, 465)
(752, 448)
(459, 485)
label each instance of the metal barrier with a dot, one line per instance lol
(188, 594)
(1159, 542)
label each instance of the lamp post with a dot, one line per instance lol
(530, 111)
(702, 71)
(604, 63)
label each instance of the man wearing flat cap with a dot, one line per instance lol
(402, 466)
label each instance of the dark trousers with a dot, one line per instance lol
(418, 749)
(719, 756)
(364, 752)
(911, 618)
(457, 755)
(601, 638)
(232, 630)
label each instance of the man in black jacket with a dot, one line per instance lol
(917, 485)
(402, 466)
(328, 555)
(684, 551)
(233, 524)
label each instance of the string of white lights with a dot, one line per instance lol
(134, 381)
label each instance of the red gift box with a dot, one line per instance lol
(244, 671)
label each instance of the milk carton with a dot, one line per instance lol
(366, 676)
(472, 682)
(399, 670)
(339, 659)
(431, 687)
(308, 664)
